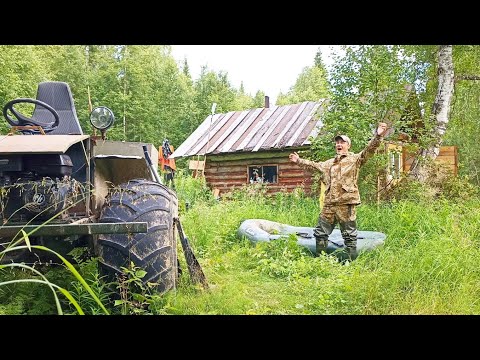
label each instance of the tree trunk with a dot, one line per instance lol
(440, 113)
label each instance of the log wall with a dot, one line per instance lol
(231, 172)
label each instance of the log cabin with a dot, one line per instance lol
(252, 146)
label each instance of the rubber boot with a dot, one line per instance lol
(321, 245)
(351, 253)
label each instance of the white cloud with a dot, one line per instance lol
(270, 68)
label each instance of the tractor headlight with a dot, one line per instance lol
(102, 118)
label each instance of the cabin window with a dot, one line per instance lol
(395, 164)
(263, 174)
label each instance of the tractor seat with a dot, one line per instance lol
(58, 95)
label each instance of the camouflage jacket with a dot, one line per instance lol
(340, 174)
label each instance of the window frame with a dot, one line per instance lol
(262, 166)
(395, 164)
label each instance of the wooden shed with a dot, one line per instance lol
(400, 160)
(252, 146)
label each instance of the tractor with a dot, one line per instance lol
(66, 189)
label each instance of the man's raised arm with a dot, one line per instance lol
(374, 143)
(307, 164)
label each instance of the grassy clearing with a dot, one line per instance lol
(428, 265)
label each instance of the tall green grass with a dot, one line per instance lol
(428, 264)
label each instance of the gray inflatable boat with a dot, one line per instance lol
(259, 230)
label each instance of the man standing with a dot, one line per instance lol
(340, 176)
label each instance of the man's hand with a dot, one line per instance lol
(294, 157)
(382, 128)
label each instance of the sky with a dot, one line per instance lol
(270, 68)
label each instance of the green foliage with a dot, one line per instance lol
(465, 112)
(38, 277)
(214, 87)
(88, 269)
(191, 191)
(442, 187)
(135, 296)
(259, 100)
(459, 188)
(368, 86)
(152, 96)
(28, 298)
(311, 85)
(283, 258)
(21, 71)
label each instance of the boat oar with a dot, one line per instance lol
(194, 268)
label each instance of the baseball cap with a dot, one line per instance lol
(344, 138)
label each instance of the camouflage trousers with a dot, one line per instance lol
(346, 217)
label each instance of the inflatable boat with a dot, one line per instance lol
(259, 230)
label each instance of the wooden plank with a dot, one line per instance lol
(228, 131)
(447, 153)
(313, 134)
(241, 130)
(290, 123)
(242, 176)
(226, 169)
(249, 155)
(183, 149)
(291, 170)
(288, 167)
(302, 126)
(290, 175)
(226, 128)
(281, 187)
(293, 183)
(316, 128)
(257, 127)
(254, 162)
(227, 180)
(446, 159)
(268, 144)
(213, 131)
(271, 128)
(196, 165)
(394, 147)
(226, 183)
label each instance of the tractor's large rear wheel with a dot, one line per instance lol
(155, 251)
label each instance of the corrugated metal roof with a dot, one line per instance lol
(254, 130)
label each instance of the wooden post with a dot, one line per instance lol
(378, 189)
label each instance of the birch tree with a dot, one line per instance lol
(439, 115)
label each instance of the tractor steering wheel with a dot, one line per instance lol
(22, 120)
